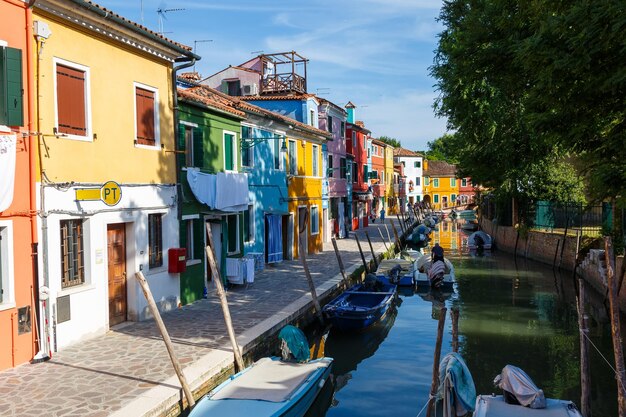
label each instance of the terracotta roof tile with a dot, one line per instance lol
(200, 96)
(440, 169)
(405, 152)
(298, 96)
(192, 76)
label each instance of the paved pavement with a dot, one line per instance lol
(127, 371)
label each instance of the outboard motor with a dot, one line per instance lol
(519, 389)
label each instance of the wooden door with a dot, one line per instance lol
(116, 247)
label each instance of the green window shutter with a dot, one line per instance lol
(228, 152)
(183, 235)
(11, 89)
(181, 145)
(198, 147)
(224, 87)
(198, 239)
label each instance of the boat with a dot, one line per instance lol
(521, 397)
(425, 276)
(470, 225)
(479, 240)
(360, 306)
(397, 271)
(272, 386)
(420, 235)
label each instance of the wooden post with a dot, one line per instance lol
(361, 252)
(383, 239)
(219, 286)
(585, 373)
(556, 252)
(388, 234)
(305, 265)
(401, 224)
(454, 314)
(615, 329)
(371, 249)
(339, 261)
(166, 337)
(395, 233)
(563, 245)
(437, 358)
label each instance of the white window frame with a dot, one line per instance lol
(189, 218)
(89, 136)
(188, 126)
(251, 224)
(235, 154)
(464, 182)
(157, 124)
(452, 182)
(315, 168)
(293, 170)
(7, 272)
(238, 249)
(311, 232)
(435, 182)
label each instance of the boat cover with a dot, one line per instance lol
(296, 343)
(386, 265)
(456, 386)
(422, 229)
(518, 383)
(476, 238)
(269, 380)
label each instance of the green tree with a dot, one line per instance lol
(443, 149)
(390, 141)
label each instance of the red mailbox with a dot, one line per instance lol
(176, 260)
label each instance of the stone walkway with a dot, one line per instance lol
(127, 371)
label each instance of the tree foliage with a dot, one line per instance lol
(527, 84)
(443, 149)
(390, 141)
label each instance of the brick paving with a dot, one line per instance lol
(127, 371)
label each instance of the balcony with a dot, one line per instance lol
(283, 83)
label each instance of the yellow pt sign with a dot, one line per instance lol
(111, 193)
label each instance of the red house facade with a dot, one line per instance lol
(356, 144)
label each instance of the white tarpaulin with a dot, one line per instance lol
(7, 169)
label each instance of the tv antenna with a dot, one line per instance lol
(194, 48)
(162, 16)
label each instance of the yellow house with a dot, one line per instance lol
(108, 197)
(304, 178)
(389, 192)
(441, 186)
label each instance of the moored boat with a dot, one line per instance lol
(479, 240)
(426, 275)
(397, 272)
(360, 306)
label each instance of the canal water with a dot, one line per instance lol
(511, 312)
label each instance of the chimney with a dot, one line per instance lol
(351, 109)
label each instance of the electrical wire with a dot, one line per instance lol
(605, 360)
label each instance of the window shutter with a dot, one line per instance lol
(145, 117)
(198, 147)
(228, 152)
(198, 240)
(11, 89)
(71, 101)
(180, 145)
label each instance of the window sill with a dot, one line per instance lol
(7, 306)
(156, 147)
(76, 289)
(156, 269)
(192, 262)
(86, 138)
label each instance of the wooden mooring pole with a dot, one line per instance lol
(615, 329)
(454, 315)
(219, 286)
(435, 384)
(166, 337)
(383, 239)
(339, 261)
(585, 373)
(305, 265)
(395, 233)
(361, 252)
(371, 250)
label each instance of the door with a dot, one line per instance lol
(116, 250)
(216, 234)
(325, 230)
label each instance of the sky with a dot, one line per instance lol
(374, 53)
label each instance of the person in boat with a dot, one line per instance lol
(437, 253)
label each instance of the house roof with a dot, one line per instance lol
(296, 96)
(381, 143)
(440, 169)
(358, 126)
(323, 101)
(406, 152)
(193, 76)
(205, 97)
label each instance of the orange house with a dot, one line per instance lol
(18, 221)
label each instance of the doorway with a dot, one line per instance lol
(216, 235)
(116, 250)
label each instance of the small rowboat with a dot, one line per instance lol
(360, 306)
(397, 272)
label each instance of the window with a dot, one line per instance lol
(72, 99)
(343, 129)
(435, 182)
(419, 198)
(155, 240)
(329, 122)
(315, 156)
(452, 182)
(426, 181)
(192, 137)
(417, 164)
(6, 264)
(315, 220)
(369, 154)
(417, 181)
(355, 172)
(436, 198)
(247, 152)
(293, 167)
(232, 226)
(233, 88)
(342, 168)
(365, 173)
(453, 197)
(72, 253)
(331, 171)
(230, 151)
(146, 111)
(248, 224)
(354, 143)
(312, 117)
(190, 239)
(464, 182)
(11, 89)
(277, 154)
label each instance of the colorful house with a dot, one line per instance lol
(467, 191)
(18, 211)
(412, 163)
(108, 195)
(356, 144)
(441, 186)
(332, 119)
(378, 181)
(389, 176)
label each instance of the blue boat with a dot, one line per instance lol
(397, 272)
(360, 306)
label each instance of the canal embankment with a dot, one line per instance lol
(557, 249)
(127, 371)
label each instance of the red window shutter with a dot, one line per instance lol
(71, 101)
(145, 117)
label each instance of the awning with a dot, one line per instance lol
(8, 146)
